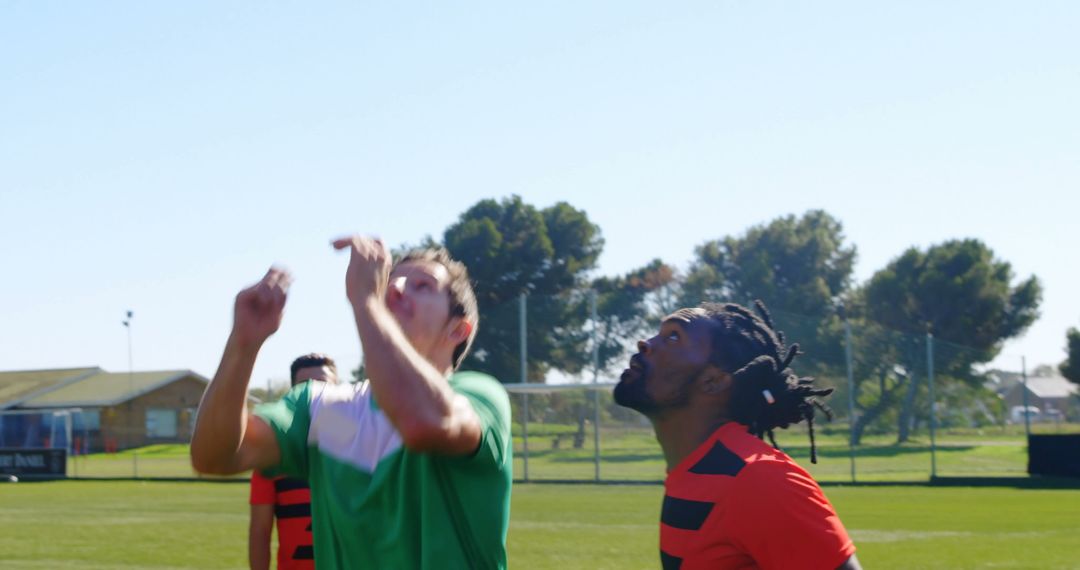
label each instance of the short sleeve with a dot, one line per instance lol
(780, 518)
(290, 418)
(262, 489)
(492, 405)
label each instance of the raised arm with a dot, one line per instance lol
(227, 439)
(412, 392)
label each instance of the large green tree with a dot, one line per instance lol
(513, 248)
(1070, 369)
(962, 294)
(795, 264)
(799, 266)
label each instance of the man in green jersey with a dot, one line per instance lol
(408, 469)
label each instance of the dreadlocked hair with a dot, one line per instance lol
(766, 392)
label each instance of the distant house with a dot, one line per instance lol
(95, 410)
(1050, 394)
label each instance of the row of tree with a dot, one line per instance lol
(801, 266)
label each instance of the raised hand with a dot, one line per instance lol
(369, 268)
(259, 308)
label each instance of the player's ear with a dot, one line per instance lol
(460, 329)
(714, 381)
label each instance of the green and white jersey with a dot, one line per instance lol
(375, 504)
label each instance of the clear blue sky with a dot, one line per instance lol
(159, 156)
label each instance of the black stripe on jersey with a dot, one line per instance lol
(684, 514)
(304, 553)
(292, 511)
(719, 461)
(286, 484)
(669, 562)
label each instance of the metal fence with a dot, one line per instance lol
(906, 407)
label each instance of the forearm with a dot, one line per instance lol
(259, 557)
(222, 417)
(259, 547)
(410, 390)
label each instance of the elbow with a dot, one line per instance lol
(423, 437)
(206, 468)
(201, 465)
(206, 465)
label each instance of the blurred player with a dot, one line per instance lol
(285, 498)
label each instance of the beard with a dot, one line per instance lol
(631, 392)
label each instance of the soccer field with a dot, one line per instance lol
(112, 524)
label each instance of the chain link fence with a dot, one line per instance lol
(906, 407)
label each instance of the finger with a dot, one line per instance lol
(285, 282)
(381, 248)
(278, 277)
(344, 242)
(264, 295)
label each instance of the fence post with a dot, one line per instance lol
(524, 378)
(596, 380)
(1027, 416)
(933, 402)
(851, 393)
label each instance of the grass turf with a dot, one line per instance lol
(633, 454)
(163, 525)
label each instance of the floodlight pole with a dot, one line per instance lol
(131, 367)
(131, 374)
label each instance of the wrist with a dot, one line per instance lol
(241, 345)
(368, 304)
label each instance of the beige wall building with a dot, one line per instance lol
(108, 411)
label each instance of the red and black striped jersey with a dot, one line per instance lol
(292, 510)
(736, 502)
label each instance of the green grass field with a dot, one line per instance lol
(164, 525)
(633, 455)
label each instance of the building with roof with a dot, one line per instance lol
(1054, 396)
(108, 410)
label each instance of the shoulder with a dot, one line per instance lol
(775, 480)
(339, 399)
(478, 385)
(324, 394)
(471, 378)
(487, 396)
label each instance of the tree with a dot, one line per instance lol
(1070, 369)
(962, 294)
(512, 248)
(800, 268)
(629, 306)
(796, 265)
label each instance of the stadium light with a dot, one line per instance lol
(131, 367)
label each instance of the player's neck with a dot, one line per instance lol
(680, 434)
(443, 363)
(440, 359)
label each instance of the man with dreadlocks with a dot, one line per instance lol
(713, 382)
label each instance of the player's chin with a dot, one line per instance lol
(629, 391)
